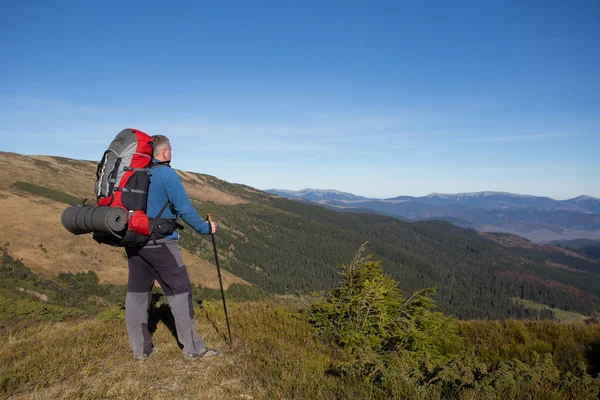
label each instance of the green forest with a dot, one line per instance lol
(287, 246)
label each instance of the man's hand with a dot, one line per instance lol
(213, 227)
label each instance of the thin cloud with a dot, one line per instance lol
(518, 138)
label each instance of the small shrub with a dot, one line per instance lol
(112, 314)
(17, 309)
(368, 317)
(241, 292)
(88, 284)
(201, 294)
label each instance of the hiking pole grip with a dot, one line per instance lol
(209, 219)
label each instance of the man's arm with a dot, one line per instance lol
(181, 202)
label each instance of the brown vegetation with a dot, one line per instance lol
(31, 224)
(510, 240)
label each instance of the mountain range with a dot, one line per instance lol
(540, 219)
(317, 194)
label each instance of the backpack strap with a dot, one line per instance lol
(127, 190)
(162, 210)
(160, 164)
(135, 169)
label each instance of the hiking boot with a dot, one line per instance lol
(203, 355)
(145, 356)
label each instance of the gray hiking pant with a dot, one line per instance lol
(162, 262)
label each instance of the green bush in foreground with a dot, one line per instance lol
(368, 317)
(112, 314)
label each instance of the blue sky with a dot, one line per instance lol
(380, 99)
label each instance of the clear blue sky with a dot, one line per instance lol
(376, 98)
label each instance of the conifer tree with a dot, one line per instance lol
(368, 317)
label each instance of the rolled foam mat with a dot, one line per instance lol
(101, 220)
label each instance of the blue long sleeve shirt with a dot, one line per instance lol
(165, 185)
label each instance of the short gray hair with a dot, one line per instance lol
(158, 143)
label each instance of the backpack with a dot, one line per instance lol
(122, 180)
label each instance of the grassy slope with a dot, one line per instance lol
(559, 315)
(49, 350)
(274, 355)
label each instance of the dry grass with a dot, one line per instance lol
(81, 175)
(274, 356)
(199, 189)
(28, 222)
(32, 224)
(48, 172)
(91, 359)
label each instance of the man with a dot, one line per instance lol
(160, 260)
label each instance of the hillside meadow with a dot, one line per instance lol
(276, 355)
(77, 348)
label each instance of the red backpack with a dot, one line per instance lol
(122, 180)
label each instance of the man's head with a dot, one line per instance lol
(162, 148)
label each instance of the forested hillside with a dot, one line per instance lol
(286, 246)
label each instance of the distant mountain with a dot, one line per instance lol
(575, 243)
(489, 200)
(316, 194)
(401, 198)
(585, 203)
(540, 219)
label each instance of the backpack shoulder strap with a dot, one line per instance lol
(162, 210)
(168, 203)
(160, 164)
(156, 165)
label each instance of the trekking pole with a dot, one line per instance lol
(209, 219)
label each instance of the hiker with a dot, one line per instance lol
(161, 260)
